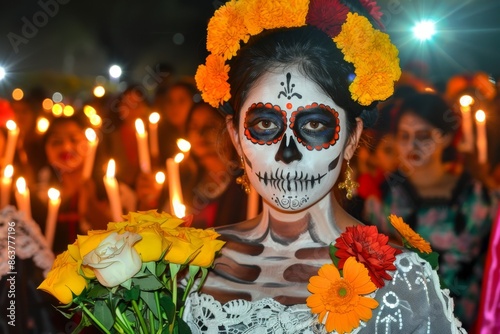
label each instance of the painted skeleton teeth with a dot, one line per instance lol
(283, 181)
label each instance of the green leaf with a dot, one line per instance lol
(182, 326)
(127, 284)
(103, 314)
(160, 268)
(168, 307)
(149, 299)
(150, 266)
(148, 283)
(97, 291)
(174, 268)
(333, 251)
(132, 294)
(432, 258)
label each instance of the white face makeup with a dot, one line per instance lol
(291, 136)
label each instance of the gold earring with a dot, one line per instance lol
(349, 184)
(243, 179)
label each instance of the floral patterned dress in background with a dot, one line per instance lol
(457, 229)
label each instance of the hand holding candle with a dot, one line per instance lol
(111, 185)
(51, 222)
(6, 186)
(90, 156)
(23, 197)
(10, 148)
(481, 140)
(142, 146)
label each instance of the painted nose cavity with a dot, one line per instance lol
(288, 152)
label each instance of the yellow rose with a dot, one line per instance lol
(184, 246)
(115, 260)
(63, 279)
(89, 242)
(211, 246)
(153, 243)
(74, 252)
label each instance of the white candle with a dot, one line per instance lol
(481, 141)
(154, 118)
(50, 224)
(252, 203)
(23, 197)
(90, 157)
(111, 185)
(142, 146)
(174, 186)
(467, 144)
(6, 185)
(10, 148)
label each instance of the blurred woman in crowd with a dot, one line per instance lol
(453, 211)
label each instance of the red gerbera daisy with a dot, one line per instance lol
(374, 10)
(327, 15)
(370, 248)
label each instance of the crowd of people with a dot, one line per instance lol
(412, 163)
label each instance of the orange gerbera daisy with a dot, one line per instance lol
(337, 300)
(410, 236)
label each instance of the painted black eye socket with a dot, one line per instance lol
(317, 127)
(264, 124)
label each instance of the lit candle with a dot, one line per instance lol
(467, 127)
(42, 124)
(174, 186)
(6, 185)
(23, 197)
(160, 178)
(252, 203)
(154, 118)
(142, 145)
(10, 148)
(50, 225)
(183, 145)
(90, 157)
(481, 141)
(111, 185)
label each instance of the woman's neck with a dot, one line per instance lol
(428, 175)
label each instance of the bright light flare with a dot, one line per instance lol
(179, 157)
(8, 171)
(21, 185)
(139, 126)
(154, 118)
(110, 171)
(42, 125)
(2, 73)
(11, 125)
(480, 116)
(99, 91)
(115, 71)
(91, 135)
(466, 100)
(183, 145)
(54, 194)
(160, 177)
(424, 30)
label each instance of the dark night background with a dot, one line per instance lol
(83, 38)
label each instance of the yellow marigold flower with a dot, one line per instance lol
(340, 299)
(413, 238)
(374, 57)
(225, 31)
(270, 14)
(211, 80)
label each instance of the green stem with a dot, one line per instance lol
(98, 323)
(186, 293)
(123, 322)
(144, 327)
(174, 299)
(151, 321)
(118, 328)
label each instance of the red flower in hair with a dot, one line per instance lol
(327, 15)
(374, 10)
(370, 248)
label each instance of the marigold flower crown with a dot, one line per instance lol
(374, 57)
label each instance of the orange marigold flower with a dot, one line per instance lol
(411, 237)
(211, 80)
(370, 248)
(340, 299)
(374, 57)
(226, 29)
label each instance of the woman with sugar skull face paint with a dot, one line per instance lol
(295, 111)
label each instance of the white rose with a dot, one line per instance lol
(115, 260)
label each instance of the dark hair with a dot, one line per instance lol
(316, 57)
(432, 108)
(79, 118)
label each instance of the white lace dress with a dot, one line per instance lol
(412, 302)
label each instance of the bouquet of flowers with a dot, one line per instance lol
(126, 279)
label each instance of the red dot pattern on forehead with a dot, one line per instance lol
(289, 105)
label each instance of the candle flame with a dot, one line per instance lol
(160, 177)
(91, 135)
(99, 91)
(480, 116)
(466, 100)
(21, 185)
(110, 172)
(54, 194)
(95, 120)
(154, 117)
(179, 208)
(89, 111)
(8, 171)
(139, 126)
(183, 145)
(42, 125)
(11, 125)
(179, 157)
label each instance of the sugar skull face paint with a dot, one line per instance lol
(291, 138)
